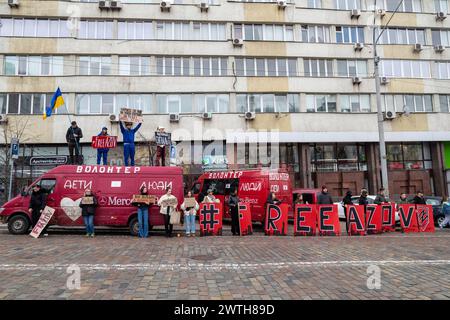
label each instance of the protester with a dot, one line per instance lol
(446, 212)
(300, 200)
(142, 214)
(161, 151)
(347, 201)
(128, 141)
(189, 215)
(168, 209)
(324, 197)
(403, 198)
(419, 199)
(36, 206)
(380, 198)
(233, 203)
(73, 136)
(272, 199)
(102, 153)
(210, 198)
(362, 201)
(88, 211)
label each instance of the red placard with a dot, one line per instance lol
(373, 219)
(408, 217)
(104, 142)
(328, 220)
(305, 220)
(425, 218)
(276, 219)
(355, 220)
(245, 219)
(210, 218)
(388, 217)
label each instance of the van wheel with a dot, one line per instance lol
(18, 224)
(134, 226)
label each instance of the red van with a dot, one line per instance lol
(114, 187)
(253, 187)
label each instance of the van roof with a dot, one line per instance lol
(230, 174)
(96, 169)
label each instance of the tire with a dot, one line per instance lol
(134, 226)
(439, 220)
(18, 224)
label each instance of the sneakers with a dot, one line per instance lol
(188, 234)
(87, 235)
(45, 234)
(92, 235)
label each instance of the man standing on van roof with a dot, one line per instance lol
(73, 136)
(102, 154)
(324, 197)
(128, 141)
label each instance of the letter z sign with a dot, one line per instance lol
(210, 217)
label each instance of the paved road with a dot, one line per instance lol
(117, 266)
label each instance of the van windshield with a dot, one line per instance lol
(220, 186)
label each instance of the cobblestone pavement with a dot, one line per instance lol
(118, 266)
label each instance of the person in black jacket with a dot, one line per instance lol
(36, 206)
(380, 198)
(324, 197)
(347, 201)
(362, 201)
(233, 203)
(419, 199)
(87, 205)
(73, 136)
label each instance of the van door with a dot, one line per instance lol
(48, 185)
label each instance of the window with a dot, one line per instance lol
(315, 34)
(19, 27)
(352, 68)
(134, 66)
(266, 32)
(34, 65)
(109, 103)
(315, 4)
(135, 30)
(414, 103)
(3, 98)
(175, 103)
(262, 67)
(442, 70)
(338, 157)
(318, 67)
(267, 103)
(441, 5)
(408, 156)
(321, 103)
(349, 34)
(47, 185)
(26, 103)
(355, 103)
(215, 103)
(406, 68)
(440, 37)
(443, 102)
(402, 36)
(94, 66)
(348, 4)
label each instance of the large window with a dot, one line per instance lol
(27, 103)
(318, 67)
(408, 156)
(444, 102)
(411, 102)
(348, 4)
(440, 37)
(406, 68)
(134, 66)
(19, 27)
(264, 32)
(319, 34)
(215, 103)
(174, 103)
(338, 157)
(92, 29)
(402, 36)
(94, 66)
(34, 65)
(442, 70)
(267, 103)
(352, 68)
(405, 6)
(354, 103)
(314, 4)
(110, 103)
(321, 103)
(441, 5)
(266, 67)
(135, 30)
(349, 34)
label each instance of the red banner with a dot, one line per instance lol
(425, 217)
(277, 219)
(373, 219)
(328, 220)
(355, 220)
(408, 217)
(245, 219)
(104, 142)
(305, 220)
(388, 217)
(210, 218)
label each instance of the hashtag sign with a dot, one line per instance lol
(210, 220)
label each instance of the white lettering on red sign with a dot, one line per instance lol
(225, 175)
(279, 176)
(115, 201)
(248, 200)
(157, 185)
(109, 169)
(275, 188)
(77, 184)
(251, 186)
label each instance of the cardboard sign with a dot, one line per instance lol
(408, 217)
(46, 215)
(356, 220)
(104, 142)
(170, 202)
(163, 138)
(388, 217)
(425, 217)
(131, 115)
(305, 220)
(210, 218)
(276, 219)
(245, 220)
(87, 200)
(143, 198)
(328, 220)
(189, 202)
(373, 219)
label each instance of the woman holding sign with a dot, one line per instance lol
(168, 204)
(142, 214)
(190, 207)
(87, 205)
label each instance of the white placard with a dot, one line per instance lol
(116, 184)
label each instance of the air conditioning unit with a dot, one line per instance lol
(113, 118)
(204, 6)
(355, 13)
(358, 46)
(165, 5)
(418, 47)
(238, 42)
(356, 80)
(439, 48)
(384, 80)
(115, 5)
(390, 115)
(381, 12)
(207, 115)
(250, 115)
(282, 4)
(174, 117)
(103, 4)
(3, 118)
(440, 16)
(13, 3)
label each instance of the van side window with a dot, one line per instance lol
(47, 185)
(196, 188)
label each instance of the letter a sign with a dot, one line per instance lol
(355, 220)
(210, 217)
(277, 220)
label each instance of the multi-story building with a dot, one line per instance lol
(255, 83)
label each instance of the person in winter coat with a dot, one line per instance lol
(446, 212)
(102, 153)
(419, 199)
(233, 203)
(324, 197)
(362, 201)
(36, 206)
(142, 214)
(189, 215)
(380, 198)
(167, 210)
(73, 136)
(88, 204)
(128, 141)
(403, 199)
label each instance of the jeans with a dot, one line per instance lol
(143, 222)
(89, 223)
(102, 155)
(128, 152)
(189, 222)
(446, 221)
(74, 146)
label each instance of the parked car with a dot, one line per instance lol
(370, 200)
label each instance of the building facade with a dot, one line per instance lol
(249, 84)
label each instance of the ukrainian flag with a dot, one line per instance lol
(57, 101)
